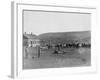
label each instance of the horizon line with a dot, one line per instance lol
(55, 32)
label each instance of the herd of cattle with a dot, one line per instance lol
(58, 48)
(67, 45)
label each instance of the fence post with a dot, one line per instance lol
(39, 51)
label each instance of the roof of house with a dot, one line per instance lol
(30, 36)
(24, 37)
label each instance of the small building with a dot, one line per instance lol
(31, 46)
(31, 40)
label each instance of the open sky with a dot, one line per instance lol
(39, 22)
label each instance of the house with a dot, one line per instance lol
(31, 45)
(31, 40)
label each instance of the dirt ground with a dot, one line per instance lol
(71, 58)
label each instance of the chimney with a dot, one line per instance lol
(31, 33)
(25, 33)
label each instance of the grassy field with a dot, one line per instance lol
(72, 58)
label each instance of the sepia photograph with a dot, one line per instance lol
(56, 39)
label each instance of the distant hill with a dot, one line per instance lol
(82, 36)
(63, 37)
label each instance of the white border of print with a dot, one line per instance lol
(16, 69)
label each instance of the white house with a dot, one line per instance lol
(32, 40)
